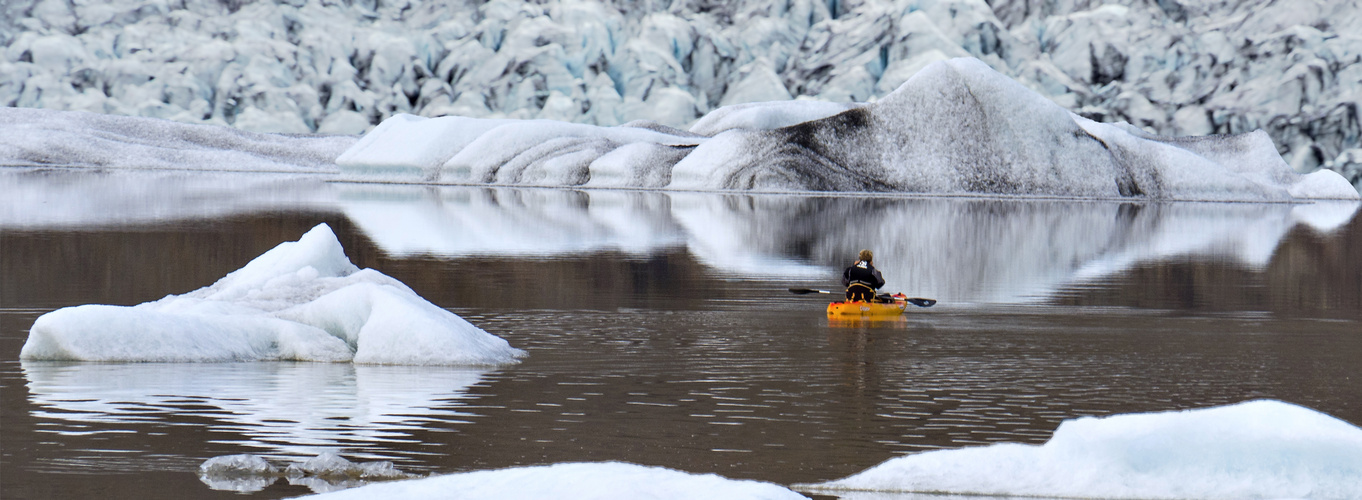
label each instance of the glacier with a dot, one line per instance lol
(1252, 450)
(1172, 67)
(301, 301)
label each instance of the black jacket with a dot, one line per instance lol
(862, 272)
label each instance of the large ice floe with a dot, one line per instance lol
(301, 301)
(956, 127)
(573, 481)
(1253, 450)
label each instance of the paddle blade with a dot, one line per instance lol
(921, 302)
(802, 291)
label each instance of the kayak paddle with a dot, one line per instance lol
(914, 301)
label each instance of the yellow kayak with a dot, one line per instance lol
(860, 309)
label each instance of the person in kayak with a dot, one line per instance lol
(862, 279)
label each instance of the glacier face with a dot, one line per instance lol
(1175, 67)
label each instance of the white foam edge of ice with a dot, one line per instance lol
(1254, 449)
(302, 301)
(572, 481)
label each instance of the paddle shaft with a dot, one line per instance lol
(917, 301)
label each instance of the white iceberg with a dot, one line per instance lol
(572, 481)
(301, 301)
(956, 127)
(1253, 450)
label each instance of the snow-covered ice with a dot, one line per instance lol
(301, 301)
(572, 481)
(956, 127)
(1253, 450)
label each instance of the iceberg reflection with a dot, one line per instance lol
(296, 409)
(953, 249)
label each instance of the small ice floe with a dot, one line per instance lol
(572, 481)
(1253, 450)
(301, 301)
(323, 473)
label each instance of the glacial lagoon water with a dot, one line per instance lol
(659, 327)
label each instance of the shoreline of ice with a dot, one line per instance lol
(301, 301)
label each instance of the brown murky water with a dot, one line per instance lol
(672, 341)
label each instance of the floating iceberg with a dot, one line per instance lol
(956, 127)
(1257, 449)
(301, 301)
(570, 481)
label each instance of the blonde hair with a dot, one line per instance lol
(866, 255)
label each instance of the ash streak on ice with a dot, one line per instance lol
(301, 301)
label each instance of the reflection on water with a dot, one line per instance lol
(660, 330)
(56, 198)
(294, 409)
(955, 250)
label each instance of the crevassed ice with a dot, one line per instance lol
(300, 301)
(1256, 449)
